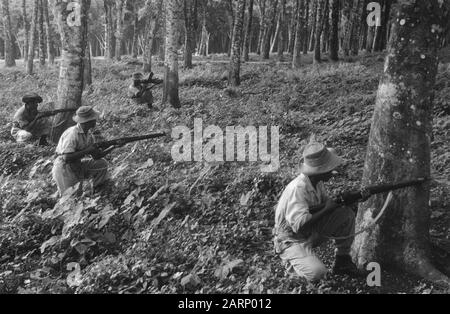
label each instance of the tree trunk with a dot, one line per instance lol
(189, 34)
(326, 27)
(171, 58)
(282, 35)
(319, 29)
(235, 60)
(248, 32)
(312, 42)
(272, 16)
(48, 33)
(399, 145)
(231, 18)
(299, 36)
(73, 41)
(262, 23)
(334, 33)
(203, 49)
(109, 29)
(8, 37)
(33, 38)
(349, 27)
(354, 43)
(87, 67)
(150, 40)
(305, 28)
(134, 44)
(120, 8)
(42, 42)
(293, 28)
(26, 30)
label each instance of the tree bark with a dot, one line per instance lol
(134, 44)
(26, 30)
(189, 34)
(8, 37)
(313, 13)
(109, 29)
(248, 32)
(349, 27)
(152, 30)
(120, 8)
(42, 42)
(48, 34)
(334, 33)
(73, 41)
(399, 145)
(235, 60)
(171, 56)
(293, 28)
(319, 29)
(33, 38)
(272, 16)
(299, 36)
(262, 24)
(306, 28)
(354, 43)
(326, 27)
(282, 35)
(203, 49)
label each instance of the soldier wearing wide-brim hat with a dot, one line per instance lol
(297, 231)
(27, 125)
(140, 89)
(78, 157)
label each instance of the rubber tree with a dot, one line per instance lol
(48, 33)
(299, 36)
(8, 37)
(152, 28)
(26, 31)
(399, 144)
(33, 37)
(248, 31)
(334, 30)
(319, 30)
(72, 24)
(234, 68)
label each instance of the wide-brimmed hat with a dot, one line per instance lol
(318, 159)
(32, 98)
(86, 114)
(138, 76)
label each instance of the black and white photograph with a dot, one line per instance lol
(223, 153)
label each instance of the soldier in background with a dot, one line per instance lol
(28, 125)
(140, 90)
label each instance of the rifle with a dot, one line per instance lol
(126, 140)
(349, 198)
(46, 114)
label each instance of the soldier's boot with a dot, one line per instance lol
(344, 266)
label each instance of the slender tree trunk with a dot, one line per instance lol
(269, 29)
(8, 37)
(248, 31)
(262, 25)
(334, 33)
(87, 67)
(171, 58)
(109, 29)
(357, 28)
(378, 31)
(231, 18)
(326, 27)
(235, 60)
(120, 7)
(33, 38)
(189, 35)
(282, 35)
(48, 33)
(299, 36)
(26, 30)
(203, 50)
(73, 40)
(293, 28)
(150, 39)
(42, 42)
(349, 27)
(312, 42)
(134, 44)
(305, 28)
(319, 29)
(385, 25)
(399, 145)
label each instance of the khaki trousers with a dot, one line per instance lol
(42, 127)
(299, 257)
(67, 175)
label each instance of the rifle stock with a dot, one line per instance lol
(126, 140)
(349, 198)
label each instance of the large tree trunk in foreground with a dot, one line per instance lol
(171, 56)
(26, 30)
(8, 38)
(33, 38)
(334, 32)
(234, 69)
(399, 145)
(73, 40)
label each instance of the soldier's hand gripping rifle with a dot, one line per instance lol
(349, 198)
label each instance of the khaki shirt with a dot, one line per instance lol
(292, 212)
(74, 140)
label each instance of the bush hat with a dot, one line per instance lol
(85, 114)
(32, 98)
(318, 159)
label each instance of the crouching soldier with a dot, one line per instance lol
(297, 231)
(78, 157)
(141, 89)
(28, 126)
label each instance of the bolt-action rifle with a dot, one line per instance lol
(125, 140)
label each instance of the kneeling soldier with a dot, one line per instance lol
(140, 90)
(78, 157)
(297, 231)
(28, 126)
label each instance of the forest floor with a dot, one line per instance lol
(166, 227)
